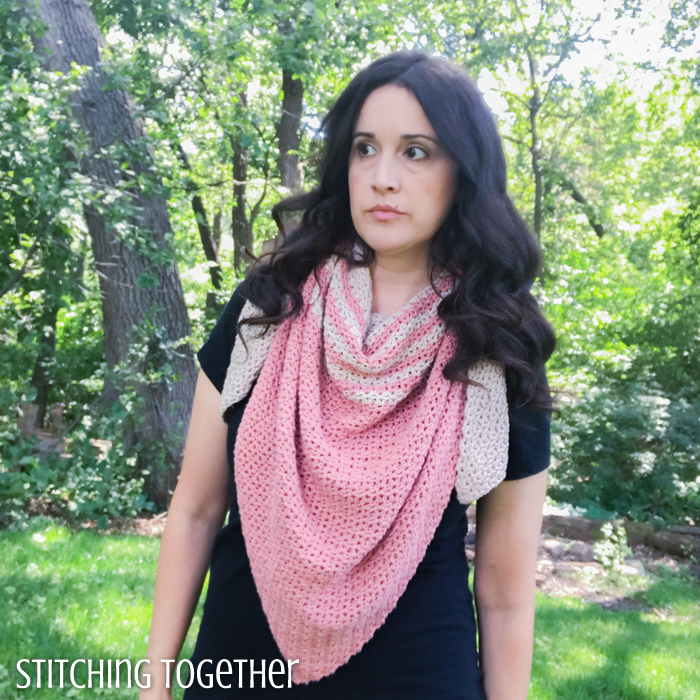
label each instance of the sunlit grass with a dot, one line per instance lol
(87, 595)
(75, 596)
(584, 652)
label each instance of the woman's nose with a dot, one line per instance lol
(386, 176)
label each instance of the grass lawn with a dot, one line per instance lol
(584, 653)
(86, 595)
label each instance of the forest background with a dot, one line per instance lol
(143, 143)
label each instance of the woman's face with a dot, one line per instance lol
(396, 161)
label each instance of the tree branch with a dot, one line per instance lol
(200, 215)
(568, 186)
(13, 281)
(520, 142)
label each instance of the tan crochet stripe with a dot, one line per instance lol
(245, 366)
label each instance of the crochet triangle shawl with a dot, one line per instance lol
(347, 454)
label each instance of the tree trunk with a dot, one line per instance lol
(291, 174)
(212, 303)
(680, 541)
(47, 349)
(534, 105)
(241, 226)
(216, 233)
(136, 285)
(535, 152)
(241, 229)
(288, 139)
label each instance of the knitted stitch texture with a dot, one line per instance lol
(346, 457)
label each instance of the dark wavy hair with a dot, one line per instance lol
(483, 241)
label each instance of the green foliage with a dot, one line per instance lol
(94, 479)
(207, 78)
(613, 550)
(77, 373)
(629, 443)
(40, 186)
(627, 449)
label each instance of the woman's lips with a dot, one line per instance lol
(382, 215)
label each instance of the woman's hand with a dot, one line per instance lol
(508, 525)
(195, 516)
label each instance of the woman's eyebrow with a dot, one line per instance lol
(404, 137)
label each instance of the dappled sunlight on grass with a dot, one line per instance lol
(662, 671)
(74, 595)
(678, 592)
(584, 652)
(89, 595)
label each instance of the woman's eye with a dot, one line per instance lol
(365, 149)
(416, 149)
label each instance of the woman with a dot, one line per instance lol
(388, 369)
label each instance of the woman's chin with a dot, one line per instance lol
(388, 244)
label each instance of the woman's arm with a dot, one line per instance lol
(195, 516)
(508, 524)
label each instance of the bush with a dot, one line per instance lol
(87, 482)
(626, 449)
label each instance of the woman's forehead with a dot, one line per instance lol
(393, 110)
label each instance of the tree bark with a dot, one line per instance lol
(241, 226)
(535, 153)
(135, 284)
(291, 174)
(288, 139)
(241, 229)
(216, 233)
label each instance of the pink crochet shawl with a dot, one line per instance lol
(346, 457)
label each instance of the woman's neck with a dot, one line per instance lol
(395, 283)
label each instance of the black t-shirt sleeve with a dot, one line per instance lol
(215, 355)
(529, 441)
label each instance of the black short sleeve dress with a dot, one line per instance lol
(426, 648)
